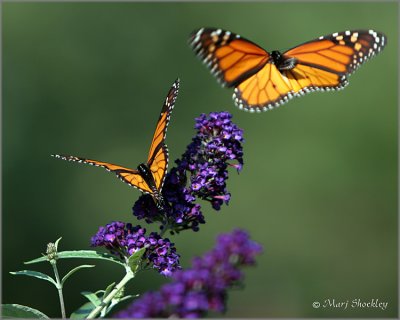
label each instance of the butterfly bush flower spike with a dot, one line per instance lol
(200, 173)
(218, 141)
(123, 240)
(203, 288)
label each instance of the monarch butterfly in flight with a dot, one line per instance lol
(148, 177)
(264, 80)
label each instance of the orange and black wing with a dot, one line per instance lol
(270, 87)
(340, 53)
(263, 91)
(158, 165)
(157, 159)
(129, 176)
(230, 57)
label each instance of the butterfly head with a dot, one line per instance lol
(276, 56)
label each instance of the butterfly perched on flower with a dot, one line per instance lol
(148, 177)
(264, 80)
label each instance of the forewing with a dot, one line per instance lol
(163, 120)
(230, 57)
(341, 52)
(129, 176)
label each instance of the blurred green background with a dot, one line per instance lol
(319, 185)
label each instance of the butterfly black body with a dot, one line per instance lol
(281, 62)
(145, 173)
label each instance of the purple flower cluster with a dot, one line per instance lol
(217, 142)
(204, 287)
(201, 173)
(124, 240)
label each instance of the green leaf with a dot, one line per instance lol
(35, 274)
(75, 270)
(88, 254)
(93, 298)
(56, 243)
(105, 294)
(99, 291)
(19, 311)
(114, 302)
(128, 297)
(108, 290)
(134, 260)
(83, 311)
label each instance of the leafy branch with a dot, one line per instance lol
(96, 305)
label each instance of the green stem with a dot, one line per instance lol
(129, 275)
(166, 227)
(59, 288)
